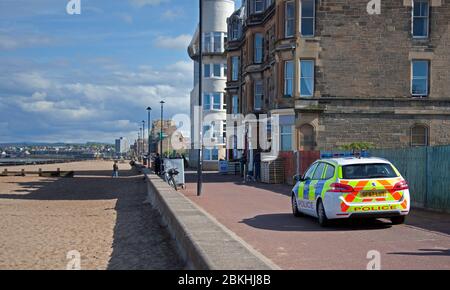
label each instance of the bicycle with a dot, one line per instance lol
(169, 177)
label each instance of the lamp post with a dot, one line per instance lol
(137, 144)
(143, 141)
(161, 128)
(149, 111)
(141, 145)
(200, 101)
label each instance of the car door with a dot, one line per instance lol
(304, 204)
(316, 186)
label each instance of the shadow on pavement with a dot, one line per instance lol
(425, 252)
(214, 177)
(287, 222)
(430, 221)
(139, 241)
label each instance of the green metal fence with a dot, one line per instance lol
(427, 170)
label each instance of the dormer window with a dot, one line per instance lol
(258, 6)
(234, 29)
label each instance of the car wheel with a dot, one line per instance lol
(294, 205)
(323, 220)
(398, 220)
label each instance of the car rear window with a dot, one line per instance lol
(368, 171)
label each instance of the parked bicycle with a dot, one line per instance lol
(169, 177)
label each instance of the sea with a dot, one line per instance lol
(27, 161)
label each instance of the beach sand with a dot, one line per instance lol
(104, 219)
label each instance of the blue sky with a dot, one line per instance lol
(89, 77)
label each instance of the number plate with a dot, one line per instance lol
(373, 194)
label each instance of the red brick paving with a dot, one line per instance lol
(260, 214)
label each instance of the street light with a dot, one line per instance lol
(200, 96)
(143, 140)
(161, 129)
(149, 110)
(137, 144)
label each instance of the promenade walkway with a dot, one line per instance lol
(104, 219)
(261, 215)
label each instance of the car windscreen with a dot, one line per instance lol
(368, 171)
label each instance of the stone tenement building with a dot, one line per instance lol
(339, 72)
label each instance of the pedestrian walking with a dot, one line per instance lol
(157, 167)
(257, 167)
(115, 170)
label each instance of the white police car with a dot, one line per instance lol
(349, 187)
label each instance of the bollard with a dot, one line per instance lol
(23, 172)
(58, 172)
(40, 172)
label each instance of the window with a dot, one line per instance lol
(368, 171)
(308, 17)
(307, 137)
(212, 101)
(286, 138)
(288, 78)
(214, 42)
(258, 47)
(309, 174)
(329, 172)
(235, 104)
(319, 171)
(211, 154)
(216, 101)
(206, 102)
(218, 44)
(420, 18)
(207, 70)
(225, 70)
(289, 19)
(235, 30)
(235, 68)
(259, 6)
(215, 154)
(306, 78)
(419, 135)
(224, 130)
(420, 78)
(217, 70)
(259, 95)
(207, 132)
(207, 43)
(212, 130)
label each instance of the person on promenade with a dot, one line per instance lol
(115, 170)
(257, 167)
(157, 164)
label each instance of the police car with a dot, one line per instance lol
(351, 187)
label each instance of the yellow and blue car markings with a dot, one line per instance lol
(312, 189)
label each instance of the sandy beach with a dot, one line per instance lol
(104, 219)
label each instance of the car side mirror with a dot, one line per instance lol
(298, 178)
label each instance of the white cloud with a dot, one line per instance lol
(172, 14)
(127, 18)
(9, 42)
(185, 67)
(95, 107)
(33, 80)
(178, 42)
(141, 3)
